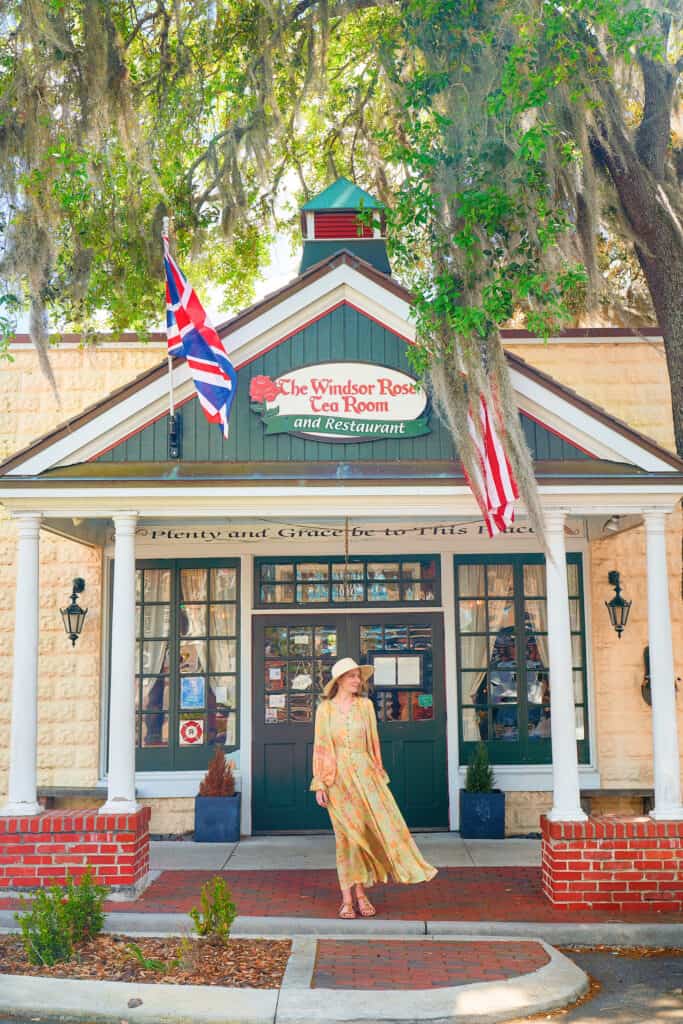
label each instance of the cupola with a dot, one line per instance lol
(330, 222)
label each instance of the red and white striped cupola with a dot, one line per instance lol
(344, 217)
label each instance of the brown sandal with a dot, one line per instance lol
(347, 912)
(365, 907)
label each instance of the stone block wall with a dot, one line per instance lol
(610, 863)
(39, 851)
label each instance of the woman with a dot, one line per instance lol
(373, 841)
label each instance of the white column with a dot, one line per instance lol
(566, 789)
(667, 776)
(22, 798)
(121, 777)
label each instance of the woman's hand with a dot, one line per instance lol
(321, 797)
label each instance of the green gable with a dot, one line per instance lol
(343, 195)
(343, 335)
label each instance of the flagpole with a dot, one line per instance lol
(173, 435)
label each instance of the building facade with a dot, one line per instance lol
(224, 579)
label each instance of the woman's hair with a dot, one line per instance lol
(363, 689)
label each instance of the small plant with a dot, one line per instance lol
(56, 919)
(214, 919)
(219, 779)
(83, 904)
(45, 927)
(147, 963)
(479, 778)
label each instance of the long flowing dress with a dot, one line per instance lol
(372, 839)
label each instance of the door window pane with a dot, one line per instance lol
(325, 642)
(154, 657)
(154, 730)
(192, 657)
(275, 638)
(499, 581)
(472, 616)
(157, 585)
(504, 720)
(224, 583)
(155, 694)
(192, 620)
(501, 615)
(301, 641)
(223, 691)
(194, 584)
(474, 652)
(536, 616)
(471, 580)
(474, 725)
(223, 619)
(156, 620)
(223, 655)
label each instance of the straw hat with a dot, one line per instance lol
(343, 666)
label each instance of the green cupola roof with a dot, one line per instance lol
(330, 222)
(343, 195)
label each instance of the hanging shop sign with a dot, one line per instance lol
(342, 402)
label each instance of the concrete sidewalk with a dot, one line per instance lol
(272, 853)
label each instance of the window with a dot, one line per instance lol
(186, 662)
(319, 582)
(503, 676)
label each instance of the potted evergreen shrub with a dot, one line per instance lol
(217, 805)
(482, 808)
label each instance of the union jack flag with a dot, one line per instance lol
(190, 334)
(494, 486)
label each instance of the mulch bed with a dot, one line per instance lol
(239, 963)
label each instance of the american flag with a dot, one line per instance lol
(494, 486)
(190, 334)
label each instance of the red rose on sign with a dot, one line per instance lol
(263, 389)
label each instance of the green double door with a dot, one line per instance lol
(293, 656)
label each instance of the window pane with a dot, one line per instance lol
(275, 639)
(534, 580)
(396, 638)
(301, 641)
(504, 719)
(275, 572)
(474, 687)
(157, 619)
(580, 724)
(474, 652)
(155, 694)
(575, 615)
(223, 655)
(192, 620)
(154, 730)
(578, 685)
(312, 593)
(537, 685)
(352, 571)
(325, 642)
(224, 584)
(223, 620)
(536, 616)
(138, 621)
(396, 707)
(472, 616)
(539, 722)
(500, 580)
(138, 584)
(380, 591)
(193, 657)
(503, 648)
(277, 594)
(383, 570)
(191, 731)
(217, 728)
(474, 725)
(422, 709)
(192, 693)
(157, 585)
(502, 684)
(573, 579)
(418, 592)
(347, 593)
(154, 657)
(312, 571)
(501, 615)
(300, 707)
(471, 580)
(411, 570)
(194, 584)
(577, 652)
(223, 691)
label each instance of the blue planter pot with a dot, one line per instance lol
(217, 819)
(482, 815)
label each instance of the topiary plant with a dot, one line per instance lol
(480, 777)
(219, 779)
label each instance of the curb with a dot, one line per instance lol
(552, 986)
(608, 933)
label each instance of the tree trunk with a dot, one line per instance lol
(654, 214)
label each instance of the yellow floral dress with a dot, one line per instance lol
(372, 839)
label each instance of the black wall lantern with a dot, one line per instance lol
(618, 607)
(73, 616)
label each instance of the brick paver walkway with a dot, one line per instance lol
(462, 894)
(369, 964)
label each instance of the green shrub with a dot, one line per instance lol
(214, 919)
(45, 927)
(479, 778)
(147, 962)
(84, 907)
(56, 919)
